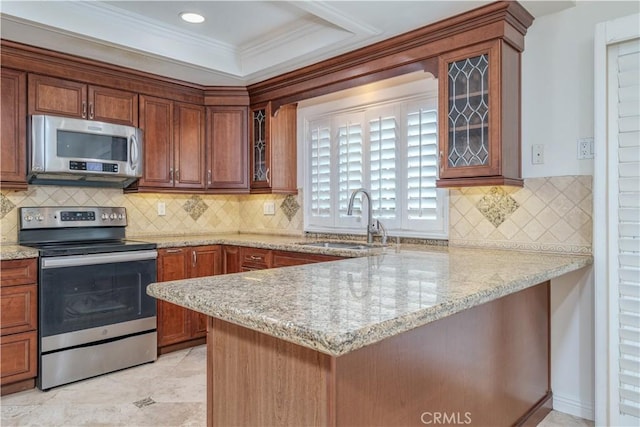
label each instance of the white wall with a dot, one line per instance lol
(557, 85)
(557, 109)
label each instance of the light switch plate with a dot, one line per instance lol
(161, 209)
(537, 154)
(269, 208)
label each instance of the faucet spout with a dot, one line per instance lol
(370, 227)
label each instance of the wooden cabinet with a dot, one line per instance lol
(273, 149)
(287, 259)
(254, 259)
(18, 325)
(50, 95)
(479, 124)
(174, 136)
(230, 259)
(178, 325)
(227, 143)
(13, 162)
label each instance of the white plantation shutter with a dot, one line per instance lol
(350, 164)
(422, 142)
(382, 149)
(320, 190)
(625, 143)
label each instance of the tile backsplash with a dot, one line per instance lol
(184, 214)
(550, 214)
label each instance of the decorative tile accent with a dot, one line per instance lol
(144, 402)
(290, 206)
(6, 205)
(554, 214)
(497, 206)
(195, 207)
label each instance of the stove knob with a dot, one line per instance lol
(28, 218)
(105, 217)
(120, 216)
(112, 216)
(39, 217)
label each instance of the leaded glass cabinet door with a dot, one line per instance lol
(260, 154)
(470, 95)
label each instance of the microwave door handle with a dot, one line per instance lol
(133, 149)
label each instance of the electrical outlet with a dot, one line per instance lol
(537, 154)
(161, 209)
(269, 208)
(585, 148)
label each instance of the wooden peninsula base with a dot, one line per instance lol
(488, 365)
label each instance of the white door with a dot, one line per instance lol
(617, 222)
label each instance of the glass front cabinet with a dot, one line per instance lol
(479, 128)
(273, 149)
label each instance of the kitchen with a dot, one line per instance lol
(560, 174)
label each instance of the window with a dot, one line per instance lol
(389, 148)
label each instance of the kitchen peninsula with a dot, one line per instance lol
(394, 338)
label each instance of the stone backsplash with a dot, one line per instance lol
(551, 214)
(185, 214)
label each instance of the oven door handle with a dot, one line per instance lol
(93, 259)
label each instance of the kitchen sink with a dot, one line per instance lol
(337, 245)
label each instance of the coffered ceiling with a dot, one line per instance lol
(240, 42)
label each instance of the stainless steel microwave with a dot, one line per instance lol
(83, 152)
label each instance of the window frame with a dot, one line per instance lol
(373, 104)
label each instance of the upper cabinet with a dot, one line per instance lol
(227, 143)
(273, 149)
(50, 95)
(13, 162)
(174, 137)
(479, 124)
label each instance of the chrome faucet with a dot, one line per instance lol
(371, 227)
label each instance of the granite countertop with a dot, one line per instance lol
(12, 251)
(337, 307)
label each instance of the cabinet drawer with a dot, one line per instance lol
(19, 309)
(286, 259)
(18, 272)
(254, 258)
(18, 357)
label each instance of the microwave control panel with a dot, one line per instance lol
(75, 165)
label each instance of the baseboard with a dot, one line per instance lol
(573, 407)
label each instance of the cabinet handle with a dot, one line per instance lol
(209, 177)
(91, 110)
(170, 174)
(255, 257)
(194, 258)
(173, 251)
(84, 109)
(267, 176)
(441, 162)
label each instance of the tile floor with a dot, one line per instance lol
(169, 392)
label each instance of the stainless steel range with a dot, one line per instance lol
(94, 313)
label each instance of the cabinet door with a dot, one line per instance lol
(18, 357)
(156, 121)
(254, 258)
(227, 148)
(283, 150)
(19, 309)
(13, 128)
(286, 258)
(470, 109)
(49, 95)
(205, 261)
(174, 322)
(260, 154)
(188, 142)
(230, 259)
(113, 106)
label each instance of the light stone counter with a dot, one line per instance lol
(337, 307)
(8, 252)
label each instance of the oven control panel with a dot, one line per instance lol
(79, 216)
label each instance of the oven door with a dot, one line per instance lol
(89, 298)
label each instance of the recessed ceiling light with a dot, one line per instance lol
(193, 18)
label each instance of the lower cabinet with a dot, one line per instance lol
(18, 325)
(179, 327)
